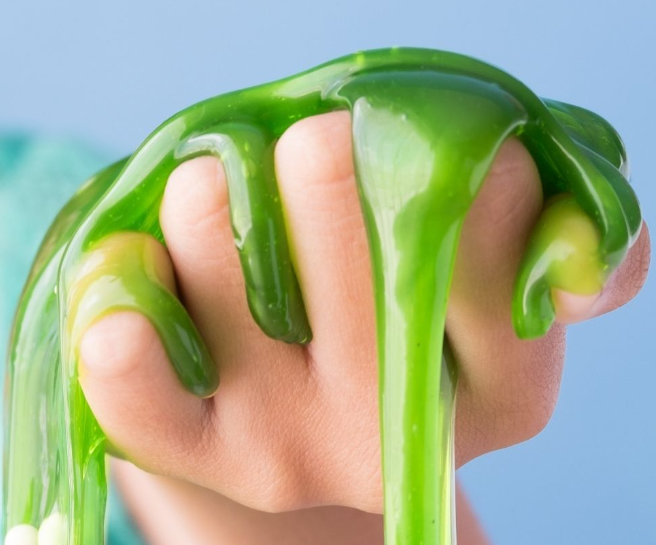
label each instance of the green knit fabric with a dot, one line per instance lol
(37, 176)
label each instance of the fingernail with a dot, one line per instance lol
(571, 307)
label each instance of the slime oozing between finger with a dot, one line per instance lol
(426, 128)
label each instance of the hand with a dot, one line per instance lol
(297, 426)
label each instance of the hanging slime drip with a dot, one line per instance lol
(427, 126)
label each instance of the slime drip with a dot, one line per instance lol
(426, 128)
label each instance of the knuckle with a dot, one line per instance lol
(526, 421)
(512, 160)
(512, 189)
(513, 404)
(195, 449)
(320, 147)
(195, 199)
(260, 469)
(524, 415)
(368, 496)
(277, 487)
(116, 345)
(505, 423)
(531, 399)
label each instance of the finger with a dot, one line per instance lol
(314, 163)
(257, 372)
(507, 387)
(136, 396)
(196, 225)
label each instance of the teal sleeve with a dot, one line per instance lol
(121, 529)
(37, 176)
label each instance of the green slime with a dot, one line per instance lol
(427, 126)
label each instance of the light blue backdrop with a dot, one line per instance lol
(110, 72)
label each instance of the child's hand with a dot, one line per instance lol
(293, 426)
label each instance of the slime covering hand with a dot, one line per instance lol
(426, 129)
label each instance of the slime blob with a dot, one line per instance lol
(426, 128)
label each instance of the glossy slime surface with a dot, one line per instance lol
(426, 128)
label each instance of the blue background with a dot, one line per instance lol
(110, 72)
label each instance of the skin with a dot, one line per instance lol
(296, 427)
(190, 514)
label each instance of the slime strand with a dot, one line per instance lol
(258, 226)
